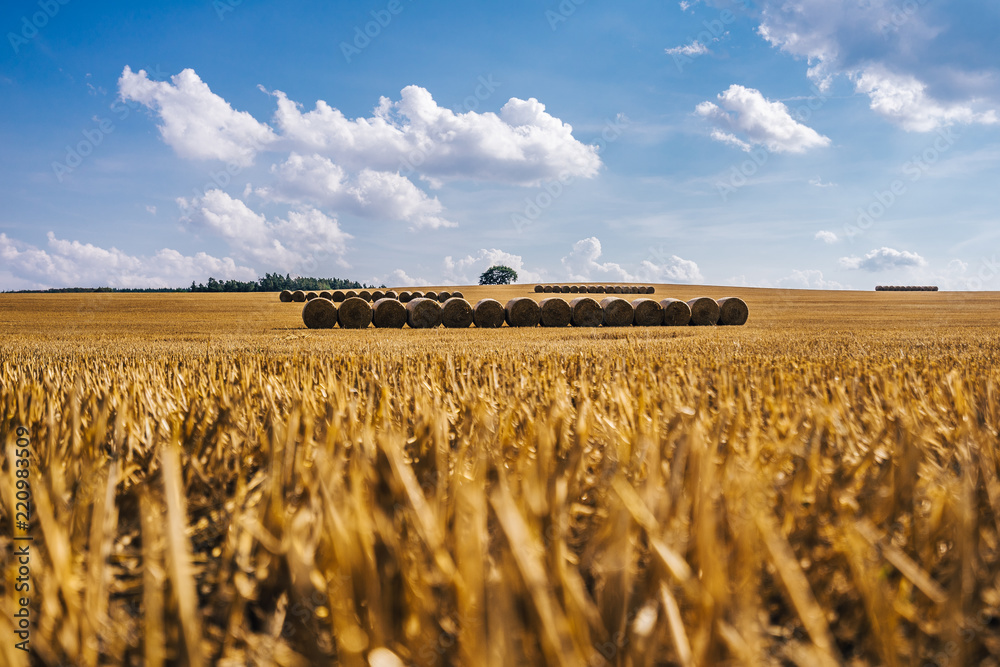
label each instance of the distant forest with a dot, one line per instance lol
(271, 282)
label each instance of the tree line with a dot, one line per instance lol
(271, 282)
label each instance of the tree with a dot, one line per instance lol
(498, 275)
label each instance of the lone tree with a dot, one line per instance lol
(498, 275)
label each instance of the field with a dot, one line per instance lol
(212, 483)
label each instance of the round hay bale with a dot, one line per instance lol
(389, 314)
(311, 295)
(488, 314)
(338, 296)
(586, 312)
(319, 314)
(377, 295)
(389, 294)
(366, 295)
(564, 289)
(456, 313)
(575, 289)
(416, 294)
(285, 296)
(298, 296)
(538, 289)
(547, 289)
(676, 313)
(355, 313)
(457, 295)
(648, 313)
(617, 289)
(704, 311)
(733, 311)
(350, 294)
(555, 312)
(326, 294)
(444, 296)
(405, 296)
(431, 295)
(522, 312)
(423, 313)
(617, 312)
(591, 289)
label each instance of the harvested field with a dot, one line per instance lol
(213, 483)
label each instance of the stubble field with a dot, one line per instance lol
(212, 483)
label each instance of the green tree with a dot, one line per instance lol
(498, 275)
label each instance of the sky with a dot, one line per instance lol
(826, 144)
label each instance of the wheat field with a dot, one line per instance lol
(212, 483)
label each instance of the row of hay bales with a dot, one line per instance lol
(595, 289)
(457, 313)
(370, 296)
(906, 288)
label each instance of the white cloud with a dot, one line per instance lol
(582, 263)
(818, 182)
(466, 271)
(883, 259)
(746, 111)
(808, 279)
(73, 264)
(398, 278)
(151, 209)
(826, 236)
(695, 48)
(523, 144)
(922, 64)
(196, 122)
(372, 194)
(731, 139)
(301, 240)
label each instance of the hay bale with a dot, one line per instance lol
(431, 295)
(488, 314)
(423, 313)
(456, 313)
(350, 294)
(564, 289)
(647, 313)
(389, 294)
(457, 295)
(604, 289)
(586, 312)
(444, 296)
(704, 311)
(326, 294)
(591, 289)
(733, 311)
(338, 296)
(555, 312)
(522, 312)
(319, 314)
(416, 294)
(377, 295)
(617, 312)
(285, 296)
(617, 289)
(547, 289)
(574, 289)
(389, 314)
(366, 295)
(538, 289)
(355, 313)
(405, 296)
(298, 296)
(676, 313)
(311, 295)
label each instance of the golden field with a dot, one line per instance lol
(212, 483)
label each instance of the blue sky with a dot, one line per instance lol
(809, 143)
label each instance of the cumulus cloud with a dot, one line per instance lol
(747, 112)
(523, 144)
(466, 270)
(300, 240)
(68, 263)
(808, 279)
(922, 65)
(371, 194)
(583, 264)
(883, 259)
(196, 122)
(695, 48)
(399, 278)
(826, 236)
